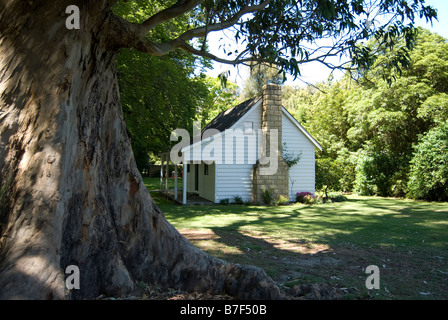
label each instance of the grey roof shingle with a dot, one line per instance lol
(228, 118)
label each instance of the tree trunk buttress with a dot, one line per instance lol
(70, 192)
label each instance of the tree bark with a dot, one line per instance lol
(70, 192)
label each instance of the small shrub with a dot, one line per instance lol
(224, 201)
(309, 199)
(339, 198)
(336, 197)
(281, 200)
(238, 200)
(267, 196)
(318, 200)
(301, 196)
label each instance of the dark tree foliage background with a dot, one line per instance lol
(371, 123)
(158, 94)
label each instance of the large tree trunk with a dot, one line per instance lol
(70, 190)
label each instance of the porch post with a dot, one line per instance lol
(161, 170)
(175, 181)
(184, 191)
(167, 173)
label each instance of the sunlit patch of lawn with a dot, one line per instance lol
(408, 240)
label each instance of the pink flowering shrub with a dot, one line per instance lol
(305, 197)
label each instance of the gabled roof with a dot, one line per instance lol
(226, 119)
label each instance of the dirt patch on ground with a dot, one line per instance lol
(198, 234)
(290, 245)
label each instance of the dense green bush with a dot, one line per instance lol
(337, 197)
(336, 174)
(328, 174)
(267, 196)
(238, 200)
(379, 173)
(370, 177)
(428, 177)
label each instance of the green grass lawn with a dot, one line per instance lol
(330, 243)
(154, 183)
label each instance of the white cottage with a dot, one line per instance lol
(240, 153)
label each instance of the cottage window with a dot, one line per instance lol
(248, 127)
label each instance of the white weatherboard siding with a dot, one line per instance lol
(232, 176)
(233, 180)
(206, 183)
(303, 173)
(236, 179)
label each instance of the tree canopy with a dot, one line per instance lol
(260, 74)
(280, 32)
(370, 127)
(158, 94)
(162, 93)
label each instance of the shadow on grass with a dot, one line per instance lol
(370, 222)
(332, 242)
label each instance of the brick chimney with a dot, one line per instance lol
(271, 117)
(276, 182)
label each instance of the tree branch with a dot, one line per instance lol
(203, 31)
(127, 34)
(186, 47)
(181, 7)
